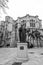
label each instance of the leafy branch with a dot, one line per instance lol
(3, 5)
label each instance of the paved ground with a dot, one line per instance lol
(35, 57)
(8, 56)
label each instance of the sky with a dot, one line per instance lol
(19, 8)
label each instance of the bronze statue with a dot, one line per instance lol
(22, 33)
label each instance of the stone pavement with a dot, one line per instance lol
(35, 57)
(8, 56)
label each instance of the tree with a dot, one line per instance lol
(37, 36)
(3, 5)
(32, 36)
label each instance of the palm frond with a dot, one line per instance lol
(3, 5)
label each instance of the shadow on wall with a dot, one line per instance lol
(18, 63)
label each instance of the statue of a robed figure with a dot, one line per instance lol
(22, 54)
(22, 33)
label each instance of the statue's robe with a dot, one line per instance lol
(22, 34)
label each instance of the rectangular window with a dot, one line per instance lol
(32, 24)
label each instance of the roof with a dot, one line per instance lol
(27, 15)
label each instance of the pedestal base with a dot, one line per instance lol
(21, 59)
(22, 54)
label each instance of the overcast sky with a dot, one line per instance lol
(19, 8)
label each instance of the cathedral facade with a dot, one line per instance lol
(11, 27)
(33, 23)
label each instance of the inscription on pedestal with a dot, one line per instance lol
(21, 48)
(22, 53)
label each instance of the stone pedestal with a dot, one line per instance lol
(22, 54)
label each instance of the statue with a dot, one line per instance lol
(22, 33)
